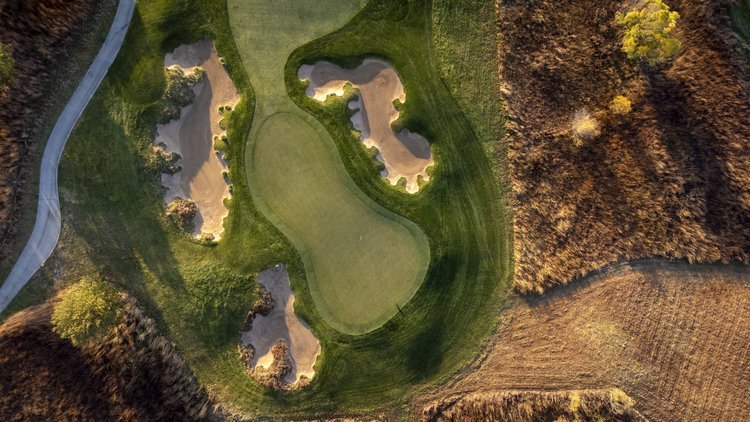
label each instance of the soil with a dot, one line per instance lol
(675, 338)
(135, 375)
(278, 335)
(201, 178)
(669, 179)
(406, 155)
(45, 37)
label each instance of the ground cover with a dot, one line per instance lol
(47, 67)
(113, 225)
(674, 337)
(741, 18)
(670, 178)
(299, 184)
(59, 381)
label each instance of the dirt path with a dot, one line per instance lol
(201, 179)
(282, 324)
(47, 226)
(405, 154)
(676, 338)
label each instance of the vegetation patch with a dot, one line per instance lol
(528, 406)
(45, 47)
(133, 373)
(87, 311)
(670, 178)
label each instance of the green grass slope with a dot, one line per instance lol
(362, 261)
(741, 18)
(113, 225)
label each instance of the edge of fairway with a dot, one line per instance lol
(417, 233)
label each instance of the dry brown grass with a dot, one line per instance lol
(533, 406)
(44, 37)
(135, 375)
(676, 338)
(669, 179)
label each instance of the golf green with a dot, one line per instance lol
(362, 261)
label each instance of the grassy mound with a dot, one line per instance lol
(362, 261)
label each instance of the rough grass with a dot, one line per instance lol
(112, 218)
(362, 261)
(670, 179)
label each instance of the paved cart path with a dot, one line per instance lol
(47, 226)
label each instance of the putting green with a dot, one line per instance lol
(362, 261)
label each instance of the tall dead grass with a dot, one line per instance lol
(528, 406)
(669, 179)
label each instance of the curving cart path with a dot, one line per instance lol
(47, 226)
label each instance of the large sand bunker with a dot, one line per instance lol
(201, 179)
(281, 323)
(406, 154)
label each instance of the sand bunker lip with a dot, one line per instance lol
(201, 179)
(282, 323)
(406, 155)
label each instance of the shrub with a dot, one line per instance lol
(6, 66)
(87, 311)
(620, 105)
(647, 32)
(585, 126)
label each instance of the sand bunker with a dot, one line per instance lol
(405, 155)
(201, 179)
(282, 324)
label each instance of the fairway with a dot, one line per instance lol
(362, 261)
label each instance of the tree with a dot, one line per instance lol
(647, 32)
(87, 311)
(6, 66)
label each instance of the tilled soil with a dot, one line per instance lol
(675, 338)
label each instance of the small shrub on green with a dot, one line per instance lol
(87, 311)
(648, 32)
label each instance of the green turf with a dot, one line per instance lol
(363, 262)
(113, 225)
(741, 18)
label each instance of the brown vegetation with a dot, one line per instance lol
(40, 35)
(134, 375)
(676, 338)
(669, 179)
(182, 213)
(536, 406)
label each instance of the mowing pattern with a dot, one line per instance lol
(675, 337)
(362, 261)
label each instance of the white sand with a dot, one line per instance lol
(201, 179)
(282, 324)
(406, 155)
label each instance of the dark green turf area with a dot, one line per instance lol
(113, 223)
(741, 18)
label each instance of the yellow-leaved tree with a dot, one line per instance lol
(648, 32)
(87, 311)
